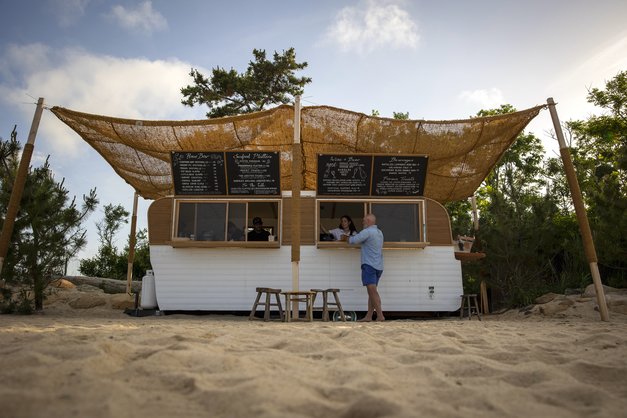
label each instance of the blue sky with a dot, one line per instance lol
(435, 60)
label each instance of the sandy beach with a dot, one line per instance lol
(100, 362)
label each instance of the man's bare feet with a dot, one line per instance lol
(365, 320)
(380, 319)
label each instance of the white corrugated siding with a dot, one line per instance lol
(225, 278)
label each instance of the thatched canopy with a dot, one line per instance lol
(461, 152)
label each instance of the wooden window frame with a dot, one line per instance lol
(183, 242)
(367, 204)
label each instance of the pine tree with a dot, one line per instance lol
(48, 228)
(264, 83)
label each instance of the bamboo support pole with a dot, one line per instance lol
(296, 186)
(580, 210)
(483, 293)
(475, 215)
(18, 184)
(131, 248)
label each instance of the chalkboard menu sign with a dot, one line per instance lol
(226, 173)
(371, 175)
(402, 175)
(344, 175)
(198, 173)
(253, 173)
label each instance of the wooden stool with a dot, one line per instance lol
(297, 296)
(267, 304)
(325, 303)
(468, 300)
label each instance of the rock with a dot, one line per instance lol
(546, 298)
(63, 284)
(87, 288)
(111, 286)
(556, 306)
(617, 303)
(88, 300)
(122, 301)
(591, 292)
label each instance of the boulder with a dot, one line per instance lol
(63, 284)
(617, 303)
(88, 288)
(111, 286)
(556, 306)
(122, 301)
(591, 292)
(88, 300)
(546, 298)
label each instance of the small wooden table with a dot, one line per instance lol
(296, 297)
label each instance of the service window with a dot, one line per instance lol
(402, 222)
(331, 213)
(225, 223)
(236, 224)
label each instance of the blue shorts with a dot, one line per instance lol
(370, 275)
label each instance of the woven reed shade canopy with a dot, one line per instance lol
(461, 152)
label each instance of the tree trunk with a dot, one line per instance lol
(38, 287)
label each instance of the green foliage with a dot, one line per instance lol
(109, 262)
(529, 234)
(600, 158)
(461, 219)
(17, 300)
(528, 227)
(141, 261)
(47, 229)
(264, 83)
(395, 115)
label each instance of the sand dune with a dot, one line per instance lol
(99, 362)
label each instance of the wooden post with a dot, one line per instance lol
(475, 216)
(296, 185)
(580, 210)
(483, 287)
(131, 248)
(18, 184)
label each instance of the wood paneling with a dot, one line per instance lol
(160, 221)
(307, 219)
(438, 224)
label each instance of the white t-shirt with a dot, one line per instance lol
(338, 233)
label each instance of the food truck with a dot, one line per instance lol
(210, 179)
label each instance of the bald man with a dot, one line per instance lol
(371, 240)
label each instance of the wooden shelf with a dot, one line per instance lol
(468, 257)
(386, 245)
(224, 244)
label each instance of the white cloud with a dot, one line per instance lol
(67, 12)
(485, 98)
(373, 25)
(143, 19)
(73, 78)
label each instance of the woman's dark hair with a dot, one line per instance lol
(351, 225)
